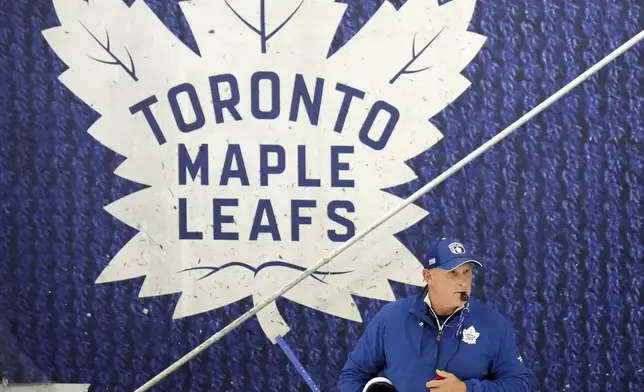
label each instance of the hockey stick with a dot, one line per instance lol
(431, 185)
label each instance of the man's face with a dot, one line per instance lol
(447, 286)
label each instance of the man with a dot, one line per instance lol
(440, 340)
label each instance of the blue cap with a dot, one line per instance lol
(447, 254)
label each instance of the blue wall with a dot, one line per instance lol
(554, 211)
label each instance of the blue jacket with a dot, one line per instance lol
(403, 344)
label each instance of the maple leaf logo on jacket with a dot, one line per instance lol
(261, 153)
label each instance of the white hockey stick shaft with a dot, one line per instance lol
(473, 155)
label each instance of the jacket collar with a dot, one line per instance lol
(421, 302)
(418, 306)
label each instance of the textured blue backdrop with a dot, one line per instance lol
(554, 211)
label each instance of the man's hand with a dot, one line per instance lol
(449, 383)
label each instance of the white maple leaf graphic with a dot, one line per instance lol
(159, 101)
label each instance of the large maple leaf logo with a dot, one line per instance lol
(262, 153)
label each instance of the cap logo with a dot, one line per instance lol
(457, 248)
(432, 261)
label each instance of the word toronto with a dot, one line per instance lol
(234, 166)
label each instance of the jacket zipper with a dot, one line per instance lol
(437, 351)
(438, 337)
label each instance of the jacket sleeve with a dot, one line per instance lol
(367, 358)
(508, 373)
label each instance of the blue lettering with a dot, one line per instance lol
(149, 116)
(349, 93)
(200, 119)
(229, 103)
(346, 223)
(336, 166)
(394, 115)
(312, 105)
(275, 95)
(184, 234)
(218, 219)
(264, 168)
(193, 167)
(296, 219)
(301, 169)
(227, 172)
(264, 207)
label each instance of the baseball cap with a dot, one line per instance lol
(447, 254)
